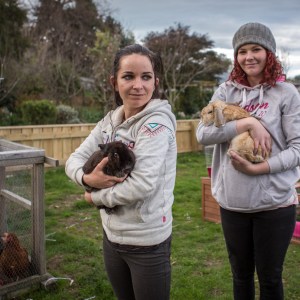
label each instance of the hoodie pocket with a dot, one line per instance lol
(241, 191)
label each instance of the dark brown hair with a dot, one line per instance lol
(154, 58)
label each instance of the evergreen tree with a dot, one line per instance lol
(12, 19)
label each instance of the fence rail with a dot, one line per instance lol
(59, 141)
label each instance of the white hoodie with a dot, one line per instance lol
(278, 109)
(145, 198)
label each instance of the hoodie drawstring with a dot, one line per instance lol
(244, 98)
(260, 99)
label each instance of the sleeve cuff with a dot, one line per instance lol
(79, 176)
(274, 164)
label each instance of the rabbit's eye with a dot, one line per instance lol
(210, 112)
(116, 155)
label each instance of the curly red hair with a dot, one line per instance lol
(272, 72)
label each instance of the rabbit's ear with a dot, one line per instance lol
(101, 146)
(219, 117)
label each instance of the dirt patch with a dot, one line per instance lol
(55, 262)
(67, 202)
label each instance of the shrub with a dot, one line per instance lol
(66, 115)
(38, 112)
(193, 100)
(8, 118)
(90, 115)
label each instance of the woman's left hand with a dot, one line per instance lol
(246, 167)
(88, 197)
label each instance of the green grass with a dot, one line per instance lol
(200, 268)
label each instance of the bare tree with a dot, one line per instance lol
(186, 57)
(102, 53)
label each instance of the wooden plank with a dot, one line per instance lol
(296, 240)
(212, 210)
(9, 145)
(60, 140)
(45, 136)
(10, 291)
(3, 223)
(22, 161)
(51, 161)
(210, 207)
(38, 216)
(19, 154)
(213, 218)
(214, 206)
(16, 198)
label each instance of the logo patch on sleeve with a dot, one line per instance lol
(152, 129)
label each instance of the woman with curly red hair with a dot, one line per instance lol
(257, 200)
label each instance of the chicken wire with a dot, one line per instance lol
(16, 252)
(22, 246)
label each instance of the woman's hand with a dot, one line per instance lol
(258, 132)
(88, 197)
(97, 179)
(246, 167)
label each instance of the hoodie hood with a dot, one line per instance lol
(154, 107)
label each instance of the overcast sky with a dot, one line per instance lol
(219, 19)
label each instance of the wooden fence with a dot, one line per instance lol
(59, 141)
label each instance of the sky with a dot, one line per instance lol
(219, 19)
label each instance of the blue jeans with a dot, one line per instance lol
(258, 241)
(138, 273)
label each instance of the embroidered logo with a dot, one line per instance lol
(152, 129)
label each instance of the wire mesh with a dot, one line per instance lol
(16, 259)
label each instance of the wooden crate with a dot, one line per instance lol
(210, 207)
(296, 240)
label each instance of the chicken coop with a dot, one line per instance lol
(22, 243)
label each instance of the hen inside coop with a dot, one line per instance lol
(22, 243)
(16, 261)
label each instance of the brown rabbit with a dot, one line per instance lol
(218, 113)
(121, 161)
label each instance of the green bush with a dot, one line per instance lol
(10, 118)
(66, 115)
(38, 112)
(192, 101)
(90, 115)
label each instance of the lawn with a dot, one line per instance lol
(200, 269)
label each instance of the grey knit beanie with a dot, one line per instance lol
(254, 33)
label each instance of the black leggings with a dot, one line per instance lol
(258, 240)
(138, 273)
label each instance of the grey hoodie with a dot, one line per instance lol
(145, 198)
(278, 109)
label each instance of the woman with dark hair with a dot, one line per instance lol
(137, 234)
(257, 201)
